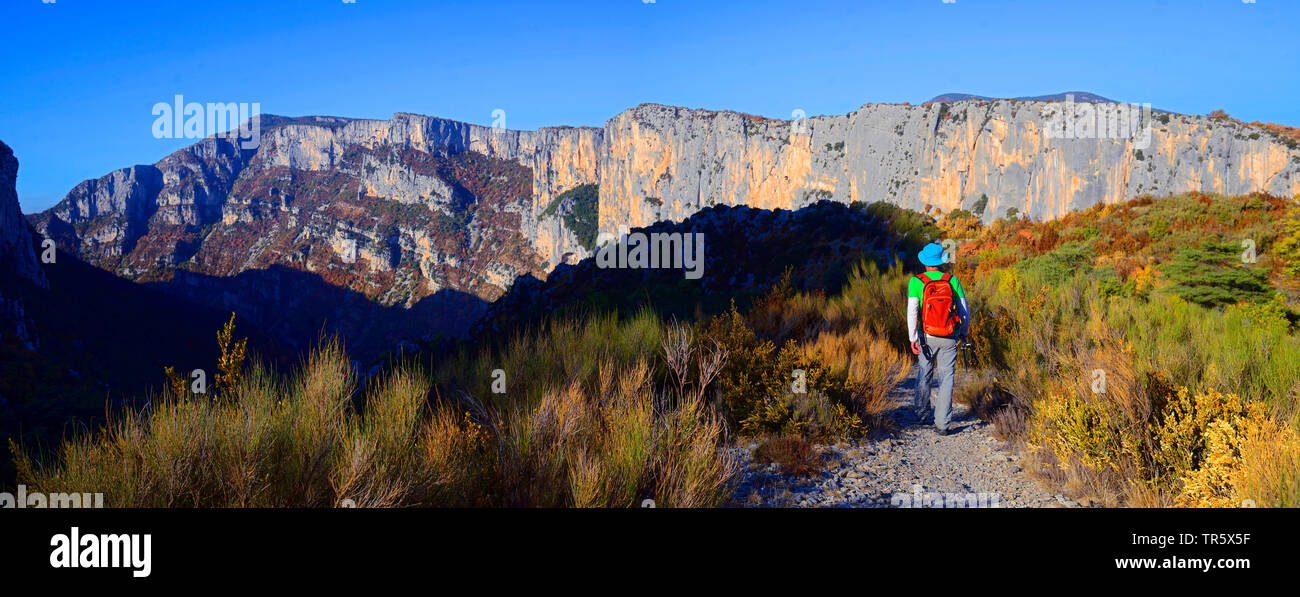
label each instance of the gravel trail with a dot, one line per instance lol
(912, 466)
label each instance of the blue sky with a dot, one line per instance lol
(79, 77)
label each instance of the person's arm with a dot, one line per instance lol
(914, 287)
(913, 305)
(963, 310)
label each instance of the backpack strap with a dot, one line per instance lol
(925, 280)
(949, 278)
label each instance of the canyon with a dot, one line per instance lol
(406, 229)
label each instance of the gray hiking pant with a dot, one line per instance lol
(943, 361)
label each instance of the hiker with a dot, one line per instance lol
(938, 320)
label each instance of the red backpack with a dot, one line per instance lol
(938, 306)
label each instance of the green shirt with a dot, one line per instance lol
(914, 285)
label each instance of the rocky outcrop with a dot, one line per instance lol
(413, 211)
(103, 220)
(178, 201)
(16, 255)
(559, 159)
(18, 264)
(664, 162)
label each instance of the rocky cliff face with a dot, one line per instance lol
(144, 218)
(16, 254)
(394, 211)
(557, 160)
(419, 210)
(663, 162)
(18, 264)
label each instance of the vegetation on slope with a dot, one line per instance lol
(581, 215)
(1123, 350)
(593, 408)
(1145, 353)
(583, 420)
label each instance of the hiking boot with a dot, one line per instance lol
(942, 431)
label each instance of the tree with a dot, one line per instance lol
(1214, 274)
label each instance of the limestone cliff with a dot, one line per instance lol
(398, 211)
(663, 162)
(329, 181)
(559, 159)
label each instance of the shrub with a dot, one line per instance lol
(871, 365)
(613, 448)
(1134, 305)
(759, 384)
(1288, 246)
(872, 298)
(1227, 450)
(580, 428)
(989, 401)
(231, 360)
(794, 455)
(960, 224)
(1213, 274)
(781, 314)
(1073, 428)
(820, 368)
(915, 229)
(581, 217)
(1055, 266)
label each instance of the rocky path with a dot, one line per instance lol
(913, 466)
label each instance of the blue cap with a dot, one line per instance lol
(933, 255)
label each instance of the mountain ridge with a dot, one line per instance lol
(400, 209)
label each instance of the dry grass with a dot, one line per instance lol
(873, 366)
(847, 352)
(988, 400)
(1270, 467)
(614, 448)
(607, 436)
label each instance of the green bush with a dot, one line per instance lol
(1055, 266)
(758, 385)
(1213, 274)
